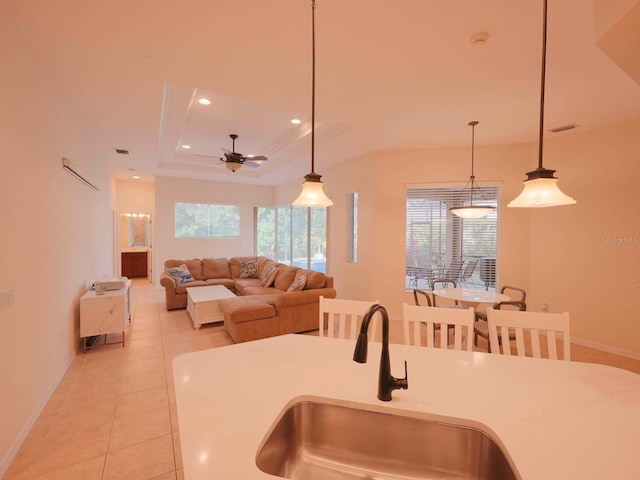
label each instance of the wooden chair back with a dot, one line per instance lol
(341, 318)
(420, 325)
(529, 329)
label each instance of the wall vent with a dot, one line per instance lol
(564, 128)
(121, 151)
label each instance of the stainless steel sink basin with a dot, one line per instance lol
(320, 440)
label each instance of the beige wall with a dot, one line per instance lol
(170, 190)
(55, 239)
(560, 255)
(577, 264)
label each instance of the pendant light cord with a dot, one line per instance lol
(313, 84)
(542, 83)
(472, 179)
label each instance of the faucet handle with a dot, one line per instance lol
(403, 382)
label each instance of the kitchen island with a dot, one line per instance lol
(555, 419)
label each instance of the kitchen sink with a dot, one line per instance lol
(322, 439)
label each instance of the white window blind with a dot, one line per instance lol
(440, 244)
(352, 227)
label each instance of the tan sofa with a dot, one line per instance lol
(257, 311)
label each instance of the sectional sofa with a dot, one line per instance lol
(272, 298)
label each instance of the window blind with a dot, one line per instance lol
(440, 244)
(352, 227)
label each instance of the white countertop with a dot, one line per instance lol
(557, 420)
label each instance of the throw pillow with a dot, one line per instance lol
(180, 274)
(269, 275)
(298, 284)
(249, 269)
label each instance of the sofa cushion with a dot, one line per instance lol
(285, 277)
(269, 274)
(225, 282)
(261, 291)
(298, 283)
(180, 274)
(194, 266)
(235, 262)
(241, 284)
(215, 268)
(196, 283)
(314, 279)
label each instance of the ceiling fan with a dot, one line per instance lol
(234, 160)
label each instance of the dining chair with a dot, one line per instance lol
(528, 328)
(514, 293)
(481, 326)
(444, 283)
(420, 324)
(468, 270)
(426, 296)
(341, 318)
(454, 270)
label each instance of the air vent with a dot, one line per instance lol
(563, 128)
(120, 151)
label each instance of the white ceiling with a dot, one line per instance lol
(393, 74)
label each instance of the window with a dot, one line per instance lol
(293, 235)
(441, 245)
(202, 220)
(352, 227)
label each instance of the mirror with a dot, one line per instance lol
(135, 230)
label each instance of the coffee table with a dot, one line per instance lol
(202, 304)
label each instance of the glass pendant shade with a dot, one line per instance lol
(312, 194)
(541, 192)
(540, 189)
(233, 166)
(472, 211)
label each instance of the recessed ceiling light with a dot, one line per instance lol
(296, 121)
(204, 101)
(187, 147)
(136, 177)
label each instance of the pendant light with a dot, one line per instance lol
(471, 210)
(540, 187)
(312, 194)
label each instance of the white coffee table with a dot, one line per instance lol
(202, 304)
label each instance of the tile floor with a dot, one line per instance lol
(113, 415)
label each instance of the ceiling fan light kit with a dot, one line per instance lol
(471, 211)
(234, 160)
(312, 194)
(540, 187)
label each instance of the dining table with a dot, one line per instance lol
(469, 297)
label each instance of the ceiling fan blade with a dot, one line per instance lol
(251, 164)
(255, 158)
(207, 156)
(226, 152)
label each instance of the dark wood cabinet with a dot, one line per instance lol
(134, 264)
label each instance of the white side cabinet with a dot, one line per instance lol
(106, 313)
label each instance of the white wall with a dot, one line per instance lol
(170, 190)
(55, 239)
(559, 255)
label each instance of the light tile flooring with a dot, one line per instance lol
(113, 415)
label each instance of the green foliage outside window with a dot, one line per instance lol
(201, 220)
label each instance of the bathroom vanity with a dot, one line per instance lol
(552, 419)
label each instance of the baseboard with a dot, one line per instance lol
(24, 432)
(606, 348)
